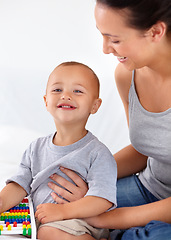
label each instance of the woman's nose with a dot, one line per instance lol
(107, 48)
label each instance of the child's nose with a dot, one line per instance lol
(66, 96)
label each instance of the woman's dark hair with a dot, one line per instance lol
(143, 13)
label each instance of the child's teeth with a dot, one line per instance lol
(66, 106)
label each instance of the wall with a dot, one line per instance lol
(36, 36)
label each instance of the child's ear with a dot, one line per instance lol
(45, 99)
(96, 105)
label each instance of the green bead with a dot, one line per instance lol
(29, 231)
(24, 231)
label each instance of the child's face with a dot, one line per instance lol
(72, 94)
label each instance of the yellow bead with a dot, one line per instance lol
(24, 226)
(9, 227)
(28, 226)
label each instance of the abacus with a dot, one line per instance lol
(19, 220)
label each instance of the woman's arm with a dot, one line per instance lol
(129, 161)
(127, 217)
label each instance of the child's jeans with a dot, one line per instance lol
(130, 192)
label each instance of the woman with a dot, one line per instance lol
(138, 33)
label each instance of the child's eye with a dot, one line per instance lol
(57, 90)
(78, 91)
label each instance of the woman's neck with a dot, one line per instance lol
(160, 65)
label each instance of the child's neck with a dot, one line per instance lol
(69, 136)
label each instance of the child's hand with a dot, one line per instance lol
(49, 212)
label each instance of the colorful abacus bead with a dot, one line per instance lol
(18, 218)
(29, 232)
(24, 231)
(9, 228)
(15, 224)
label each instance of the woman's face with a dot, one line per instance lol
(131, 47)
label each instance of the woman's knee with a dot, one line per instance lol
(154, 230)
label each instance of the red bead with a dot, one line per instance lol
(15, 224)
(7, 223)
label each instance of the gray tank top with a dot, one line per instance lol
(150, 134)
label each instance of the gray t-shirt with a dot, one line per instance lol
(150, 134)
(88, 157)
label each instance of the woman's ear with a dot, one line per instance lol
(96, 105)
(157, 31)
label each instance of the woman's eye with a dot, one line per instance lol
(115, 42)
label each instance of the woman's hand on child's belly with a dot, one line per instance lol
(74, 191)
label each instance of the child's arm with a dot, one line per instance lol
(88, 206)
(11, 195)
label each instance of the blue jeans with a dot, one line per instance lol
(130, 192)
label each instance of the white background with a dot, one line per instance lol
(35, 36)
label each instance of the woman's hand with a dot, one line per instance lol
(75, 192)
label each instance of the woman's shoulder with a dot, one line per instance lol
(123, 78)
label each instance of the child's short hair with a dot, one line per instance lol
(70, 63)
